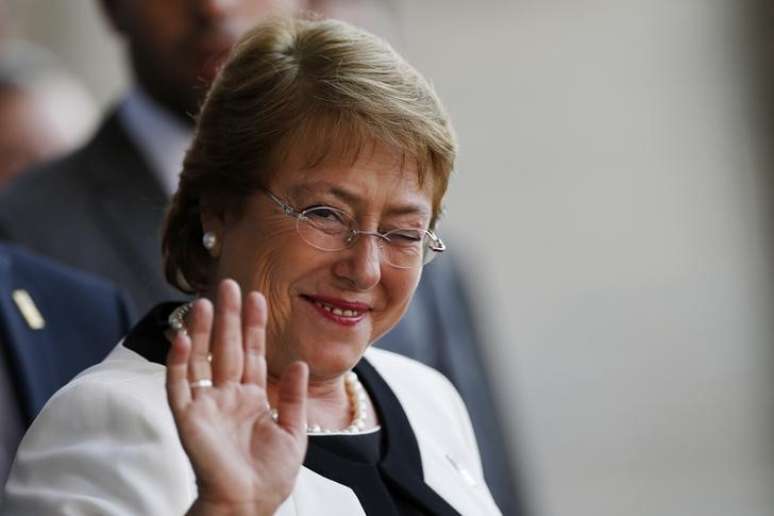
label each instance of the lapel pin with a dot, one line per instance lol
(29, 311)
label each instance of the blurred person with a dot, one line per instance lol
(304, 230)
(108, 198)
(44, 112)
(54, 322)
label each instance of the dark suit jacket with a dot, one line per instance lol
(100, 209)
(84, 319)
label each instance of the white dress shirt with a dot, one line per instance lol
(161, 137)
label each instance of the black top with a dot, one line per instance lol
(383, 469)
(364, 451)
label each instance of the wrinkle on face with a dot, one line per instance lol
(279, 310)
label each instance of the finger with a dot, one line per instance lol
(178, 388)
(227, 334)
(254, 338)
(199, 330)
(292, 399)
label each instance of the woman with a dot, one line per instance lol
(305, 213)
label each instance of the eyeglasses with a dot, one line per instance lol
(330, 229)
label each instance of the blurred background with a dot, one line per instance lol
(613, 210)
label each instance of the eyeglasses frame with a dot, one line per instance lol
(435, 247)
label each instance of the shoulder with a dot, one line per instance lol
(59, 187)
(125, 374)
(61, 175)
(123, 387)
(399, 370)
(427, 396)
(60, 288)
(41, 203)
(31, 266)
(114, 413)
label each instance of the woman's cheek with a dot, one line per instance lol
(267, 275)
(269, 280)
(399, 291)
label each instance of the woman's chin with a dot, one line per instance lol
(330, 359)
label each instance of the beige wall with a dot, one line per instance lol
(609, 206)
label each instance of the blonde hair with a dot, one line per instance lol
(320, 87)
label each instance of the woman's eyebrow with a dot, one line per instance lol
(353, 199)
(326, 188)
(318, 187)
(409, 209)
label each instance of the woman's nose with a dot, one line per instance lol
(361, 264)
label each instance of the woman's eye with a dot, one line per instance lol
(324, 213)
(406, 236)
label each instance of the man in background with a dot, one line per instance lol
(101, 208)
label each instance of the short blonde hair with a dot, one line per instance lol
(322, 87)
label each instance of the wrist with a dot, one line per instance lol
(204, 507)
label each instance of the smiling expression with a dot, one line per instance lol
(326, 307)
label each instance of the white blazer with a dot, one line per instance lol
(106, 444)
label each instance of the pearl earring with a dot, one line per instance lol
(209, 240)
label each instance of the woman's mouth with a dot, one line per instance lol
(342, 312)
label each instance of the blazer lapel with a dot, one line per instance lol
(424, 468)
(27, 349)
(448, 476)
(402, 462)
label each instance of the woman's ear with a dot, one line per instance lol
(212, 231)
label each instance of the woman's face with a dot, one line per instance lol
(262, 251)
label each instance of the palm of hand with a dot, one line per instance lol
(244, 461)
(238, 451)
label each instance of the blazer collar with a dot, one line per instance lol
(164, 146)
(147, 337)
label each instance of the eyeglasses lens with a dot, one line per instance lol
(328, 229)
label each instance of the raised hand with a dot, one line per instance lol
(244, 462)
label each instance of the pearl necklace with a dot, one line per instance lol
(355, 390)
(359, 400)
(175, 319)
